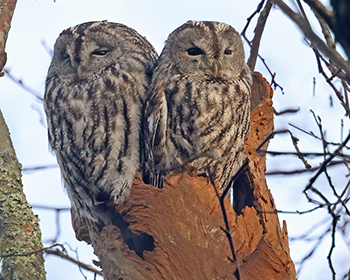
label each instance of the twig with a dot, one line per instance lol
(249, 19)
(321, 10)
(50, 207)
(24, 86)
(47, 48)
(319, 125)
(68, 258)
(300, 6)
(311, 154)
(227, 229)
(286, 111)
(325, 163)
(313, 38)
(315, 136)
(329, 81)
(258, 31)
(302, 262)
(39, 168)
(295, 144)
(16, 254)
(301, 212)
(300, 171)
(270, 136)
(261, 23)
(329, 257)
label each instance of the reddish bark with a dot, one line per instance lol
(174, 233)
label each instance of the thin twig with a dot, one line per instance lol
(300, 171)
(50, 207)
(329, 257)
(329, 81)
(258, 38)
(20, 82)
(258, 31)
(313, 38)
(294, 141)
(39, 168)
(315, 136)
(286, 111)
(325, 163)
(16, 254)
(227, 229)
(311, 154)
(68, 258)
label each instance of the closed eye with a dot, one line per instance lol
(64, 55)
(194, 51)
(101, 52)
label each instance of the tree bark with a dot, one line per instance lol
(7, 7)
(174, 232)
(20, 235)
(19, 227)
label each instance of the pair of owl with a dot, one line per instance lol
(113, 106)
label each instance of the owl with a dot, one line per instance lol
(95, 87)
(199, 103)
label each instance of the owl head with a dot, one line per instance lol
(83, 51)
(205, 50)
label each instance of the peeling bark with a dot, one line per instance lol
(174, 232)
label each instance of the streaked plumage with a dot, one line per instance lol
(199, 102)
(95, 87)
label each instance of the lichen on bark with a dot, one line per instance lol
(19, 227)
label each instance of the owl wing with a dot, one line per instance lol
(154, 130)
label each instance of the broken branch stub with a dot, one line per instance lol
(174, 232)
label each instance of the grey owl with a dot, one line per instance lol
(199, 102)
(95, 87)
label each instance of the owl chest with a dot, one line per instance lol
(201, 114)
(201, 106)
(91, 117)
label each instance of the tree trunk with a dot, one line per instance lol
(174, 232)
(19, 227)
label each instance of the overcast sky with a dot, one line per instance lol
(35, 22)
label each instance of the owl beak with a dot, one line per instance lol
(215, 69)
(80, 71)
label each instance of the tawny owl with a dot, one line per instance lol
(199, 102)
(95, 87)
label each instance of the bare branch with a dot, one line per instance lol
(300, 171)
(38, 168)
(24, 86)
(65, 256)
(258, 31)
(315, 136)
(286, 111)
(325, 163)
(313, 38)
(329, 81)
(227, 229)
(321, 10)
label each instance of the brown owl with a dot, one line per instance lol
(199, 102)
(95, 87)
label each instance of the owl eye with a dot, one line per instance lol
(100, 52)
(227, 52)
(194, 51)
(64, 55)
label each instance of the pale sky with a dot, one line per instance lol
(283, 48)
